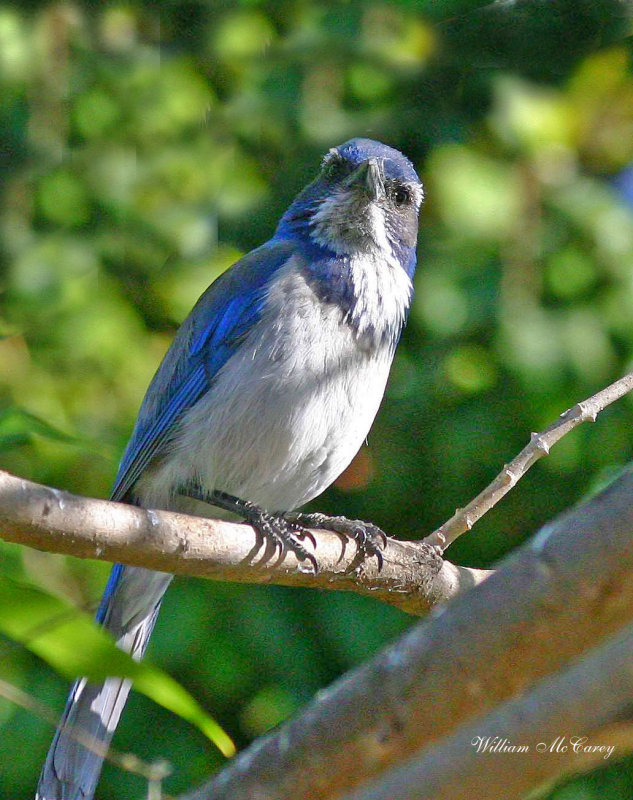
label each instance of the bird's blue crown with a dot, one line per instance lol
(396, 165)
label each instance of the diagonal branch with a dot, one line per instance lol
(577, 720)
(559, 596)
(540, 444)
(412, 578)
(563, 593)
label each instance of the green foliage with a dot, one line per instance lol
(19, 427)
(75, 645)
(144, 147)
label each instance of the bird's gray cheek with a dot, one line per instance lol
(409, 229)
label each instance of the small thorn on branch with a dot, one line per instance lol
(509, 477)
(537, 440)
(588, 411)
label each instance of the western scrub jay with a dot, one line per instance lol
(263, 399)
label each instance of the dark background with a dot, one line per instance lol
(144, 147)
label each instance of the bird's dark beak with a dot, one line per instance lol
(370, 177)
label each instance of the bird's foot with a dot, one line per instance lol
(282, 532)
(273, 529)
(370, 539)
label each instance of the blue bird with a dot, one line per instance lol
(266, 394)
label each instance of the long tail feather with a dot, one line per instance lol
(129, 609)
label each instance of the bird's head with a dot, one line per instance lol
(365, 199)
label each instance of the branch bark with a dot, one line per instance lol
(563, 593)
(413, 577)
(572, 722)
(560, 595)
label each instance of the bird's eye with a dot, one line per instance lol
(334, 167)
(400, 195)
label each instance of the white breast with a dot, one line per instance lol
(287, 413)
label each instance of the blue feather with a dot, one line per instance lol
(113, 580)
(276, 403)
(212, 332)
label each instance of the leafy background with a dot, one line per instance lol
(143, 148)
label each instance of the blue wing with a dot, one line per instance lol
(223, 316)
(205, 341)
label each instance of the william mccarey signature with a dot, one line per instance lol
(561, 744)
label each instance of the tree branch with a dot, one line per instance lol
(564, 592)
(412, 578)
(540, 444)
(571, 722)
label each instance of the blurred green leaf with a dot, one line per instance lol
(75, 645)
(63, 198)
(476, 194)
(18, 426)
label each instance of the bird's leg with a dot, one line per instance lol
(370, 539)
(275, 528)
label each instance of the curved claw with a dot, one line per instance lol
(302, 532)
(366, 535)
(275, 531)
(369, 538)
(285, 535)
(309, 557)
